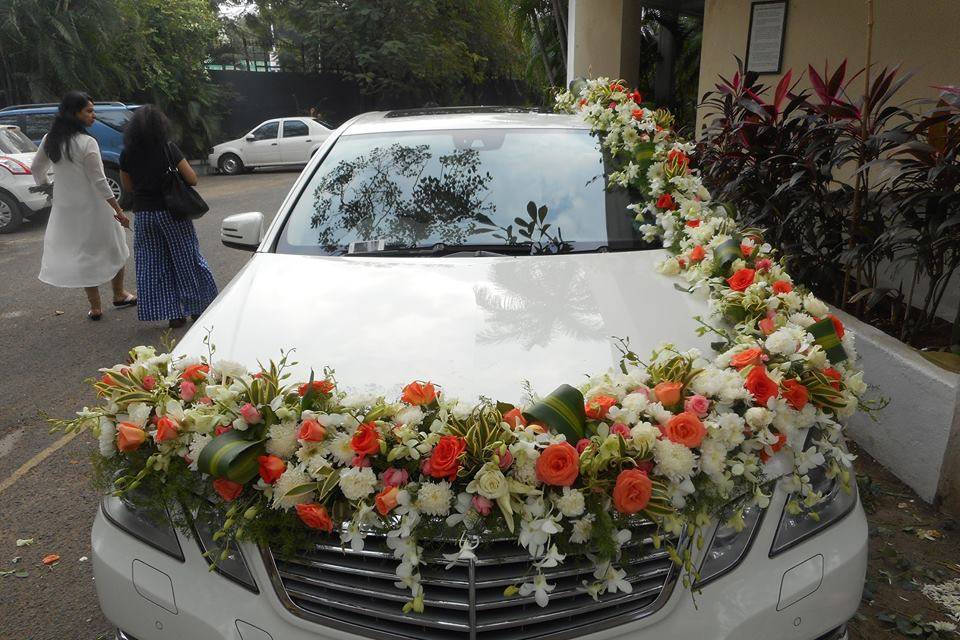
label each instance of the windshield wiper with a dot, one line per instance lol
(444, 249)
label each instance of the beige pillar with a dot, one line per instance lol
(603, 39)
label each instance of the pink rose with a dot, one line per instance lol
(250, 414)
(697, 404)
(506, 460)
(394, 477)
(481, 505)
(360, 460)
(187, 390)
(582, 445)
(206, 400)
(645, 391)
(617, 429)
(763, 265)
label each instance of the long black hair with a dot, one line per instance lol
(147, 132)
(65, 125)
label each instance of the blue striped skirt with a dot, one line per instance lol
(173, 279)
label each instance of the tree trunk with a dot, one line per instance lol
(543, 50)
(561, 33)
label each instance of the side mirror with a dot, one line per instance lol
(242, 230)
(249, 137)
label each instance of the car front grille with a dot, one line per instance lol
(355, 591)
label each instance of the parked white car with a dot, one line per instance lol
(17, 200)
(377, 265)
(276, 142)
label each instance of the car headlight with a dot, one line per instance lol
(837, 502)
(730, 544)
(154, 531)
(231, 564)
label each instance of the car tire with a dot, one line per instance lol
(230, 164)
(10, 217)
(113, 179)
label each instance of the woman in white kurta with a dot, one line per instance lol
(84, 244)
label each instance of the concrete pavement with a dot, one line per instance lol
(47, 348)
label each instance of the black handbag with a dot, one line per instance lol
(181, 199)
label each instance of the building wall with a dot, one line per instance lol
(920, 34)
(601, 39)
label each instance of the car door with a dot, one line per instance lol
(262, 145)
(296, 142)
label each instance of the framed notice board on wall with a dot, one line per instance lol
(768, 22)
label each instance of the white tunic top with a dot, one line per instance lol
(84, 245)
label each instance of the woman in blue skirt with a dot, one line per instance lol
(173, 279)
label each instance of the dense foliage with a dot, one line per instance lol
(132, 50)
(847, 184)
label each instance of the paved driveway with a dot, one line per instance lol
(44, 357)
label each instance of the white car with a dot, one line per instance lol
(381, 265)
(276, 142)
(19, 196)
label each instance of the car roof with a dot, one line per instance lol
(461, 118)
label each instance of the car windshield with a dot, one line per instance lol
(115, 118)
(13, 141)
(517, 191)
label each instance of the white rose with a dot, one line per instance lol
(410, 416)
(490, 483)
(635, 402)
(645, 435)
(669, 267)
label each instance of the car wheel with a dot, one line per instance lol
(113, 179)
(10, 218)
(231, 164)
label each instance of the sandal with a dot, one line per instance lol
(129, 301)
(94, 316)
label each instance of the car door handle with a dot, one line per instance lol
(308, 140)
(273, 144)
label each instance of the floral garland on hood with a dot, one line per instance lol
(673, 440)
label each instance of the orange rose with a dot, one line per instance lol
(271, 468)
(834, 375)
(419, 393)
(129, 437)
(759, 384)
(782, 286)
(668, 393)
(767, 325)
(167, 429)
(445, 460)
(837, 325)
(697, 253)
(598, 406)
(366, 439)
(746, 358)
(386, 500)
(195, 373)
(795, 394)
(312, 431)
(632, 492)
(515, 418)
(558, 465)
(319, 386)
(742, 279)
(315, 516)
(666, 202)
(686, 429)
(227, 489)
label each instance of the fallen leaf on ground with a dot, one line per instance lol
(83, 559)
(929, 534)
(58, 312)
(15, 560)
(21, 574)
(24, 542)
(50, 559)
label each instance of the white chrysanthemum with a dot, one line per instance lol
(282, 439)
(582, 530)
(815, 306)
(525, 471)
(317, 466)
(758, 417)
(658, 413)
(294, 476)
(411, 416)
(669, 267)
(673, 460)
(108, 437)
(645, 435)
(635, 402)
(197, 443)
(357, 482)
(729, 429)
(571, 503)
(433, 498)
(359, 400)
(781, 342)
(713, 457)
(817, 358)
(340, 449)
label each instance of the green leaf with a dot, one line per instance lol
(231, 455)
(563, 411)
(301, 489)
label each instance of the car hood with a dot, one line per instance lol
(473, 325)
